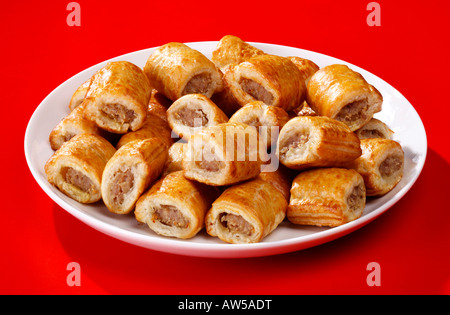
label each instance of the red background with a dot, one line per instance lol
(39, 51)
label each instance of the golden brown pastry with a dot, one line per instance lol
(175, 69)
(79, 95)
(226, 101)
(224, 154)
(175, 206)
(274, 80)
(264, 117)
(175, 160)
(326, 197)
(338, 92)
(232, 50)
(72, 125)
(154, 127)
(312, 141)
(307, 67)
(118, 97)
(381, 165)
(246, 213)
(76, 168)
(192, 112)
(304, 110)
(158, 105)
(130, 171)
(279, 176)
(375, 128)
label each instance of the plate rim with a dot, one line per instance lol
(225, 250)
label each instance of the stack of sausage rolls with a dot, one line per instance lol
(234, 145)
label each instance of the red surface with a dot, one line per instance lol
(39, 51)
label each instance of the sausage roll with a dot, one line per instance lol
(72, 125)
(76, 168)
(375, 128)
(192, 112)
(79, 95)
(264, 117)
(381, 165)
(232, 50)
(130, 171)
(118, 97)
(224, 154)
(310, 141)
(175, 69)
(246, 213)
(154, 127)
(158, 105)
(274, 80)
(175, 160)
(175, 206)
(338, 92)
(326, 197)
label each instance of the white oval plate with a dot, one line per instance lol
(397, 112)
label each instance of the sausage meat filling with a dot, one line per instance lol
(257, 91)
(356, 198)
(236, 224)
(77, 179)
(192, 117)
(118, 113)
(122, 183)
(200, 83)
(371, 133)
(352, 112)
(171, 216)
(390, 165)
